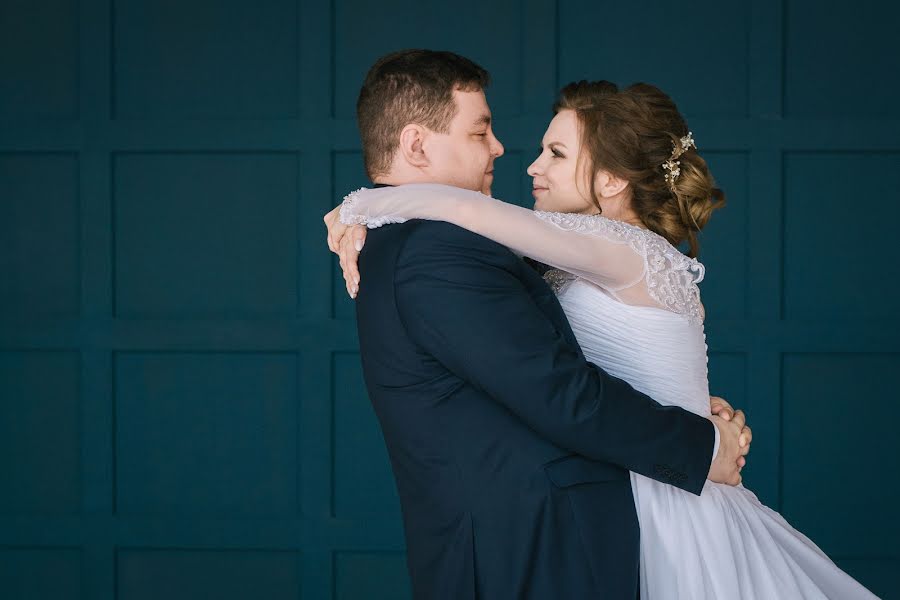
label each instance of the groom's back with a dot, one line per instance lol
(424, 408)
(468, 471)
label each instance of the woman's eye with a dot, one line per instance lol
(557, 154)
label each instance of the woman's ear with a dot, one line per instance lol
(412, 150)
(609, 185)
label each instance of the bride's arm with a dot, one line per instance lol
(592, 247)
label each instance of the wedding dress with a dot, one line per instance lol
(633, 303)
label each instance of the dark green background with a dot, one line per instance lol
(182, 408)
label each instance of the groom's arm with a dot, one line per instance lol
(460, 300)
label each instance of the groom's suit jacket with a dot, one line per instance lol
(510, 452)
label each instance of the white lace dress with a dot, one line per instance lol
(634, 305)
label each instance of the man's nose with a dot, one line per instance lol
(497, 149)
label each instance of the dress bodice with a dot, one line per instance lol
(661, 353)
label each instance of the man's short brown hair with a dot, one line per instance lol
(410, 86)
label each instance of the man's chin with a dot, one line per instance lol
(486, 184)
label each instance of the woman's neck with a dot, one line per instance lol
(619, 209)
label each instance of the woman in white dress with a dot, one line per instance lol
(634, 305)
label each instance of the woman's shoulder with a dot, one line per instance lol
(670, 276)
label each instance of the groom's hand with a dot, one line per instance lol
(726, 467)
(346, 241)
(718, 406)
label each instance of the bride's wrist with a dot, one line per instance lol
(349, 213)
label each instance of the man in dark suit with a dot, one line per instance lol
(510, 451)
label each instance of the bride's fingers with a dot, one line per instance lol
(358, 234)
(359, 237)
(349, 285)
(349, 258)
(746, 436)
(353, 270)
(337, 231)
(329, 238)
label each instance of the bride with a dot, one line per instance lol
(618, 185)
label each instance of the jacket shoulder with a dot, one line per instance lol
(439, 236)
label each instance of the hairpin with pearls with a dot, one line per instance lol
(673, 165)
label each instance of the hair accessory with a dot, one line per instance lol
(673, 165)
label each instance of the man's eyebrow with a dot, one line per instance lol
(482, 120)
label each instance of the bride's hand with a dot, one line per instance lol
(346, 241)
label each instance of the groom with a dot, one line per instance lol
(511, 453)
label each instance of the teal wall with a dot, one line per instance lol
(181, 406)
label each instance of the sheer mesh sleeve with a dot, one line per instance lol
(632, 264)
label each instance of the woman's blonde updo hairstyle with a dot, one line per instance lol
(630, 133)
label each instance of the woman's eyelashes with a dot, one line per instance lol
(553, 151)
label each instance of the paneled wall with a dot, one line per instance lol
(182, 411)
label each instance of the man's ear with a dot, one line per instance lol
(609, 185)
(412, 140)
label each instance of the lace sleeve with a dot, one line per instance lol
(598, 253)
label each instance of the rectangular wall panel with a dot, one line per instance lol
(212, 434)
(41, 573)
(39, 64)
(205, 59)
(181, 574)
(39, 230)
(838, 251)
(206, 235)
(39, 433)
(836, 457)
(840, 62)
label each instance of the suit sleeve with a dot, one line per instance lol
(461, 300)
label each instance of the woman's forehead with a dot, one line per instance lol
(563, 128)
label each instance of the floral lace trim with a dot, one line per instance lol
(349, 214)
(612, 230)
(352, 215)
(672, 277)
